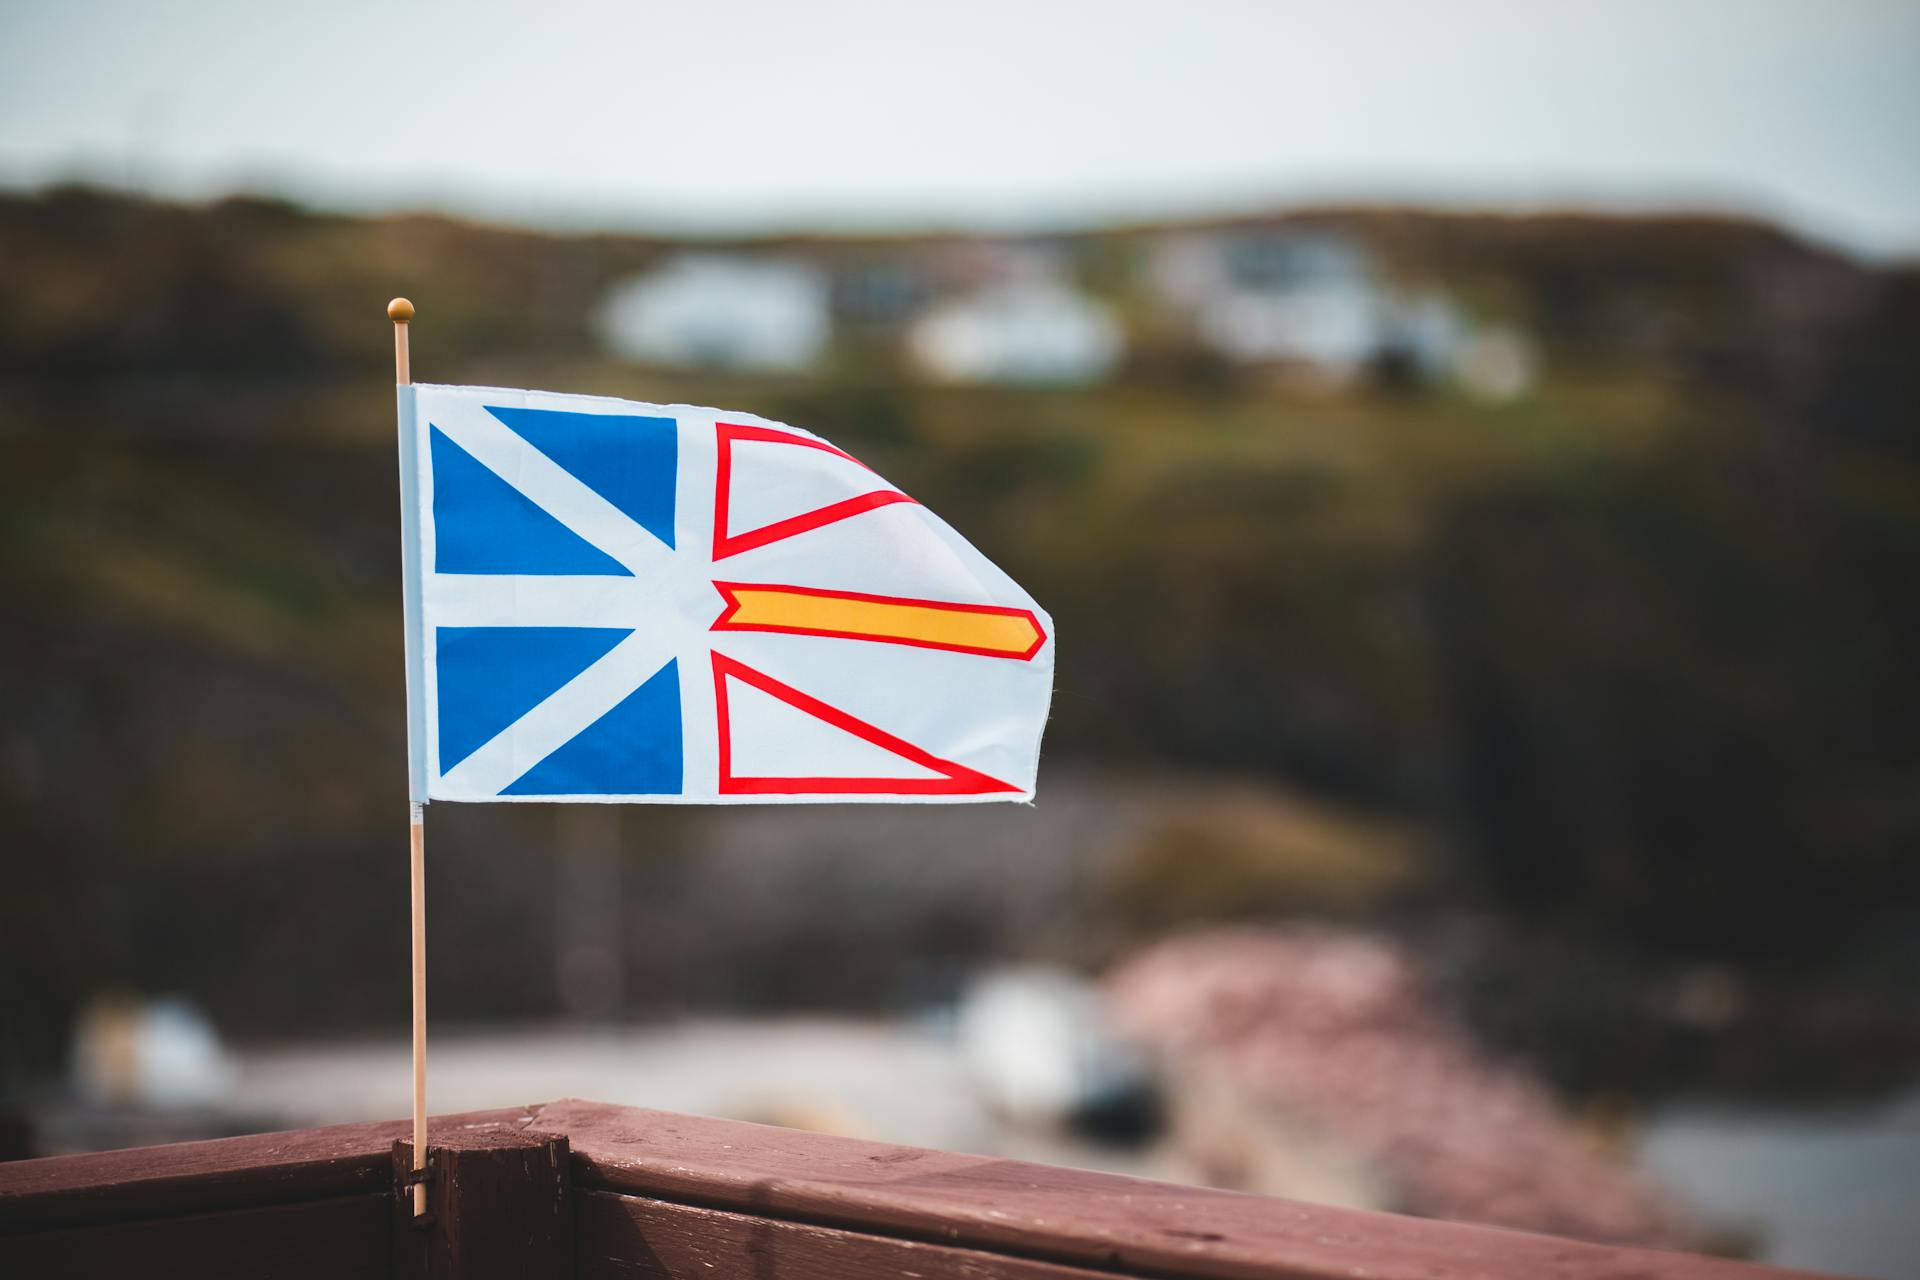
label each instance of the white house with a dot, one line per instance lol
(1298, 298)
(1033, 331)
(724, 311)
(1311, 300)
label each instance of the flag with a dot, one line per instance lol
(615, 601)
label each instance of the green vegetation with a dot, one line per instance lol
(1638, 648)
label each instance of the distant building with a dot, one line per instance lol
(1033, 331)
(721, 311)
(878, 295)
(1311, 301)
(1426, 336)
(1306, 299)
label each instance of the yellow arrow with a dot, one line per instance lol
(990, 629)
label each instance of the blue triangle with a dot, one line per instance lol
(633, 750)
(491, 676)
(482, 524)
(631, 461)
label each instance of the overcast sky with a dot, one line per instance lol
(735, 115)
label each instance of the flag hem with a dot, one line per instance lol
(412, 615)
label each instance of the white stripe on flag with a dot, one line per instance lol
(554, 722)
(506, 600)
(553, 487)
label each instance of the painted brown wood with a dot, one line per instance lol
(650, 1193)
(326, 1239)
(499, 1204)
(1098, 1221)
(225, 1173)
(632, 1238)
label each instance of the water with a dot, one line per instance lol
(1836, 1189)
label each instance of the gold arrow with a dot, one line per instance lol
(990, 629)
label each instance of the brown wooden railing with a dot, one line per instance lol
(583, 1189)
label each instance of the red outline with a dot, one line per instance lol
(958, 780)
(725, 623)
(726, 544)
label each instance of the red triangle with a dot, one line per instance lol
(955, 779)
(727, 543)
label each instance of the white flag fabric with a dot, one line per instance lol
(613, 601)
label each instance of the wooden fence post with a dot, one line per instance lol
(499, 1204)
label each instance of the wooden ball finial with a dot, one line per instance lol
(400, 311)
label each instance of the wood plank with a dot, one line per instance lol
(499, 1207)
(1056, 1215)
(633, 1238)
(988, 1210)
(315, 1240)
(225, 1173)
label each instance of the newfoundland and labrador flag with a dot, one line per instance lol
(611, 601)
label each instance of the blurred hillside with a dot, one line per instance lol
(1627, 649)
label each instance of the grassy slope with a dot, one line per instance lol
(1644, 628)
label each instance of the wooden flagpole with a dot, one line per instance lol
(400, 311)
(418, 834)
